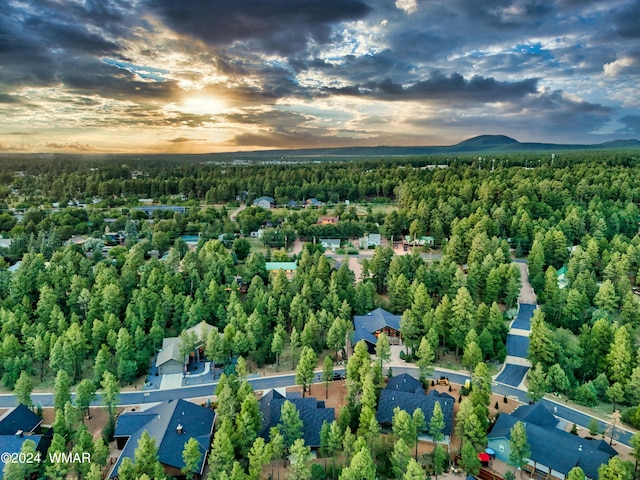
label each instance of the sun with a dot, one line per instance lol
(200, 105)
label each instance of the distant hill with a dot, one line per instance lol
(486, 141)
(479, 144)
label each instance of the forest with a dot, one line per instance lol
(97, 315)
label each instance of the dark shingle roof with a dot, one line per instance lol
(19, 418)
(13, 444)
(161, 423)
(405, 383)
(537, 414)
(312, 413)
(365, 325)
(556, 448)
(389, 399)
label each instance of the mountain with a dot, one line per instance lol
(480, 144)
(482, 141)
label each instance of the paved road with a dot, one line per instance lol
(517, 345)
(523, 320)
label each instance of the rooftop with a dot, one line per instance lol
(161, 422)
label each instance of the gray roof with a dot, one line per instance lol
(365, 325)
(555, 448)
(268, 199)
(405, 383)
(170, 351)
(161, 423)
(13, 444)
(312, 413)
(19, 418)
(389, 399)
(537, 414)
(201, 330)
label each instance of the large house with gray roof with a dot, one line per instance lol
(171, 424)
(394, 395)
(368, 327)
(313, 414)
(169, 359)
(554, 452)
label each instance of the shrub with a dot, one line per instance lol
(318, 472)
(587, 395)
(631, 416)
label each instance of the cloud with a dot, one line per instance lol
(613, 69)
(408, 6)
(439, 87)
(631, 125)
(279, 25)
(70, 147)
(186, 140)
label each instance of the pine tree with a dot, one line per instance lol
(361, 467)
(439, 459)
(23, 388)
(85, 393)
(426, 357)
(437, 424)
(620, 356)
(300, 468)
(400, 458)
(305, 370)
(469, 462)
(290, 423)
(536, 383)
(576, 473)
(414, 471)
(519, 449)
(61, 389)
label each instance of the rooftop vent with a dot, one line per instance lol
(179, 429)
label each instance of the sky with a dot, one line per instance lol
(197, 76)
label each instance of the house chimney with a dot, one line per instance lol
(179, 429)
(19, 433)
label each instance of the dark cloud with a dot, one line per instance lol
(453, 88)
(276, 25)
(631, 125)
(281, 138)
(74, 147)
(627, 21)
(4, 98)
(186, 140)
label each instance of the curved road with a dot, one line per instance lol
(261, 383)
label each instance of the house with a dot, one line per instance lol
(170, 361)
(19, 419)
(328, 220)
(419, 241)
(554, 452)
(371, 240)
(330, 243)
(171, 424)
(5, 242)
(18, 425)
(313, 414)
(405, 383)
(368, 327)
(562, 277)
(410, 401)
(288, 267)
(264, 202)
(257, 234)
(313, 202)
(151, 209)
